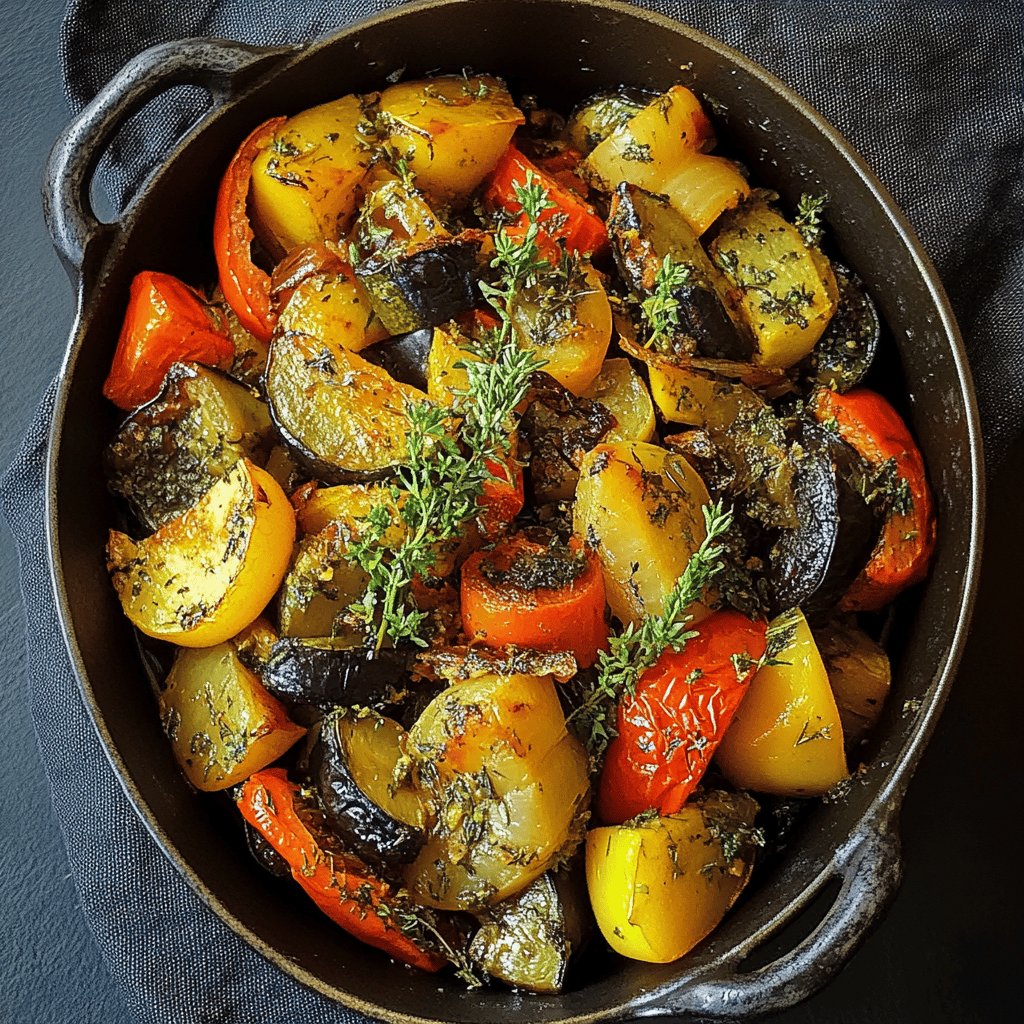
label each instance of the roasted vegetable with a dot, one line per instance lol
(569, 218)
(638, 507)
(859, 675)
(361, 772)
(535, 592)
(338, 883)
(168, 454)
(660, 885)
(416, 273)
(340, 670)
(786, 737)
(568, 324)
(166, 322)
(343, 417)
(264, 854)
(667, 732)
(204, 576)
(222, 723)
(559, 429)
(812, 564)
(870, 425)
(647, 231)
(405, 357)
(332, 306)
(528, 940)
(320, 585)
(786, 291)
(245, 286)
(843, 355)
(597, 117)
(450, 130)
(650, 147)
(306, 179)
(620, 389)
(250, 359)
(508, 789)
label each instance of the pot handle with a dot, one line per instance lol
(220, 66)
(871, 870)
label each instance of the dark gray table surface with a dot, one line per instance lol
(950, 948)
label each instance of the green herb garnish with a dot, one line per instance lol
(808, 217)
(661, 308)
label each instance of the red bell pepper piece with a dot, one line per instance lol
(166, 322)
(569, 617)
(503, 496)
(571, 218)
(338, 883)
(246, 287)
(671, 727)
(869, 424)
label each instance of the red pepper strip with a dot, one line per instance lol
(340, 885)
(166, 322)
(246, 288)
(669, 730)
(502, 498)
(869, 424)
(571, 218)
(560, 618)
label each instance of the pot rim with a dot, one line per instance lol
(888, 798)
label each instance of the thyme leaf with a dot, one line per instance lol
(661, 308)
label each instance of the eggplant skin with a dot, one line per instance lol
(404, 356)
(422, 288)
(329, 671)
(362, 824)
(844, 353)
(645, 230)
(264, 854)
(811, 566)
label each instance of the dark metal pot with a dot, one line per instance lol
(846, 853)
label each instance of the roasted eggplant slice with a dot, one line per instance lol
(596, 118)
(362, 773)
(332, 671)
(417, 274)
(343, 418)
(168, 453)
(560, 429)
(645, 231)
(812, 564)
(844, 353)
(528, 941)
(404, 357)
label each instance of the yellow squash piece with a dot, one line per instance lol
(445, 376)
(787, 738)
(204, 576)
(222, 723)
(508, 787)
(786, 292)
(658, 887)
(334, 306)
(639, 507)
(450, 129)
(306, 183)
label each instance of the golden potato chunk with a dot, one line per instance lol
(306, 183)
(222, 723)
(508, 788)
(205, 575)
(450, 129)
(336, 307)
(621, 390)
(640, 508)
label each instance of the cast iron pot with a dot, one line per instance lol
(843, 865)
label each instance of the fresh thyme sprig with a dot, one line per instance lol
(635, 650)
(452, 453)
(661, 308)
(808, 217)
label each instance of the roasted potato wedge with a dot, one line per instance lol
(621, 390)
(204, 576)
(639, 507)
